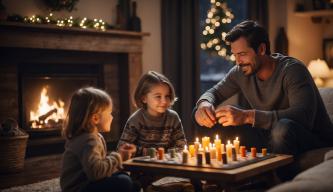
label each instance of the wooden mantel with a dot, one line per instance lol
(40, 36)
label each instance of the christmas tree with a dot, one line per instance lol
(219, 16)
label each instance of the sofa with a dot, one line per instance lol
(316, 166)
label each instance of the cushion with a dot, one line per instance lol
(317, 178)
(327, 96)
(312, 158)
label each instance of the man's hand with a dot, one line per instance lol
(232, 116)
(205, 114)
(127, 151)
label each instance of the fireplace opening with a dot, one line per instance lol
(46, 91)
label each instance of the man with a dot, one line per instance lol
(286, 113)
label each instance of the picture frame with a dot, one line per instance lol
(328, 52)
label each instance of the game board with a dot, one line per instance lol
(192, 162)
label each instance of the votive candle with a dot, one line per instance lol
(264, 151)
(185, 154)
(229, 149)
(224, 158)
(243, 151)
(212, 151)
(207, 156)
(253, 152)
(192, 150)
(160, 153)
(236, 145)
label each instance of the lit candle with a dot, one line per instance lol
(205, 142)
(229, 149)
(192, 150)
(200, 150)
(218, 146)
(264, 151)
(160, 153)
(212, 151)
(219, 153)
(243, 151)
(236, 145)
(207, 156)
(217, 142)
(253, 152)
(185, 154)
(196, 145)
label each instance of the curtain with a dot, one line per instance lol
(180, 48)
(258, 11)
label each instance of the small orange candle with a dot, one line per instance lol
(253, 152)
(264, 151)
(160, 153)
(243, 151)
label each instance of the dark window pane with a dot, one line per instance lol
(213, 66)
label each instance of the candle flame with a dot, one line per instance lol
(228, 141)
(197, 139)
(185, 147)
(217, 136)
(237, 138)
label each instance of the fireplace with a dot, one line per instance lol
(39, 63)
(46, 90)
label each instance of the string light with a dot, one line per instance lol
(215, 30)
(84, 23)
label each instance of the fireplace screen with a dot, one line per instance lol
(45, 98)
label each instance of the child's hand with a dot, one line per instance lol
(127, 151)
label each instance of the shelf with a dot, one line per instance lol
(318, 13)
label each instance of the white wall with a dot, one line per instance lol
(148, 10)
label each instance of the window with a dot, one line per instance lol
(213, 66)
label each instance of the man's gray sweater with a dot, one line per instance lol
(289, 93)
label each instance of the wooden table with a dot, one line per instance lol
(229, 179)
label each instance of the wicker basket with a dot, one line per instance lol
(12, 153)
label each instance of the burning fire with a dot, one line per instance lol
(47, 115)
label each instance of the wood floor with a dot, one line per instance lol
(35, 169)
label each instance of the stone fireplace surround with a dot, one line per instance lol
(117, 55)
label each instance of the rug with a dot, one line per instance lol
(51, 185)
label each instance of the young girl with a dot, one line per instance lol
(86, 165)
(154, 124)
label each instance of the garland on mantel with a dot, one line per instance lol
(84, 23)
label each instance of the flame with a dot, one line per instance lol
(44, 107)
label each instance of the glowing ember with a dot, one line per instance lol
(47, 115)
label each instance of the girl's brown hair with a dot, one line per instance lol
(147, 81)
(84, 103)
